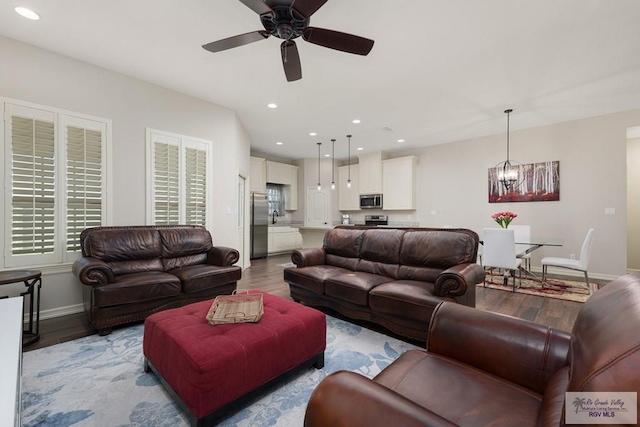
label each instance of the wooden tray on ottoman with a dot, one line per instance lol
(212, 371)
(236, 308)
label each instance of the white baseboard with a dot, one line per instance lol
(574, 273)
(58, 312)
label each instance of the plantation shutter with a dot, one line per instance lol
(195, 166)
(33, 205)
(166, 183)
(84, 142)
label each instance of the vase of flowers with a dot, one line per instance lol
(504, 218)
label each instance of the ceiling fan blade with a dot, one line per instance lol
(236, 41)
(307, 8)
(258, 6)
(338, 41)
(291, 60)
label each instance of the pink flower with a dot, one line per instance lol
(504, 218)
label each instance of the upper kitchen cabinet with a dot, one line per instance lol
(370, 173)
(398, 183)
(258, 177)
(348, 198)
(287, 175)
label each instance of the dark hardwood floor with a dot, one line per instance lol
(266, 275)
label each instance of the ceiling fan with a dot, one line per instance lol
(288, 20)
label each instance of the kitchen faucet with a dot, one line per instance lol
(274, 216)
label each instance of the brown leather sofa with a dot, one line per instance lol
(132, 272)
(390, 276)
(482, 368)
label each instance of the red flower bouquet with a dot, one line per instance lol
(504, 218)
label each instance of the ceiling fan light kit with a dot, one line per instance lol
(288, 20)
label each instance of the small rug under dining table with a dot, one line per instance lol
(568, 290)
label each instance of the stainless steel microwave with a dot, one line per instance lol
(371, 201)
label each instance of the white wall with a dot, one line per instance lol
(633, 200)
(46, 78)
(452, 181)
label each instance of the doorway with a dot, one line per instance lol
(242, 234)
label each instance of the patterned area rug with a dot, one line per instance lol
(99, 381)
(553, 288)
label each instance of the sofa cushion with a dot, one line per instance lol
(199, 277)
(405, 298)
(353, 287)
(382, 245)
(123, 244)
(343, 242)
(169, 264)
(460, 393)
(184, 241)
(437, 249)
(136, 287)
(135, 266)
(312, 278)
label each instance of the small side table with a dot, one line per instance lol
(32, 279)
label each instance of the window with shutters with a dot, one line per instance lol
(55, 167)
(178, 179)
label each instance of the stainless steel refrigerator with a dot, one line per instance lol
(259, 225)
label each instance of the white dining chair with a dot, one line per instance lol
(581, 264)
(499, 251)
(522, 233)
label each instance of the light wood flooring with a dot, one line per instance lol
(267, 275)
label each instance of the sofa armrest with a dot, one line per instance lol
(349, 399)
(458, 280)
(307, 257)
(222, 256)
(514, 349)
(92, 271)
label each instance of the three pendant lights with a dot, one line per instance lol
(333, 163)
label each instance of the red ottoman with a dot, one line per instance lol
(210, 370)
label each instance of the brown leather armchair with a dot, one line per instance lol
(482, 368)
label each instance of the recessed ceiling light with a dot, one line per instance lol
(312, 134)
(356, 121)
(327, 155)
(279, 143)
(272, 105)
(360, 148)
(401, 140)
(27, 13)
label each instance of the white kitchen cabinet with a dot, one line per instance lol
(283, 239)
(370, 173)
(277, 173)
(286, 175)
(348, 198)
(291, 190)
(399, 183)
(258, 177)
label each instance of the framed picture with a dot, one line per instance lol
(540, 183)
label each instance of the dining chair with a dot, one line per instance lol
(580, 264)
(499, 251)
(522, 234)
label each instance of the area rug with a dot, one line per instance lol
(100, 381)
(285, 265)
(553, 288)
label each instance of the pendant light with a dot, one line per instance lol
(319, 185)
(509, 172)
(349, 161)
(333, 164)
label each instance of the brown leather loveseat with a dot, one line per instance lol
(482, 369)
(132, 272)
(390, 276)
